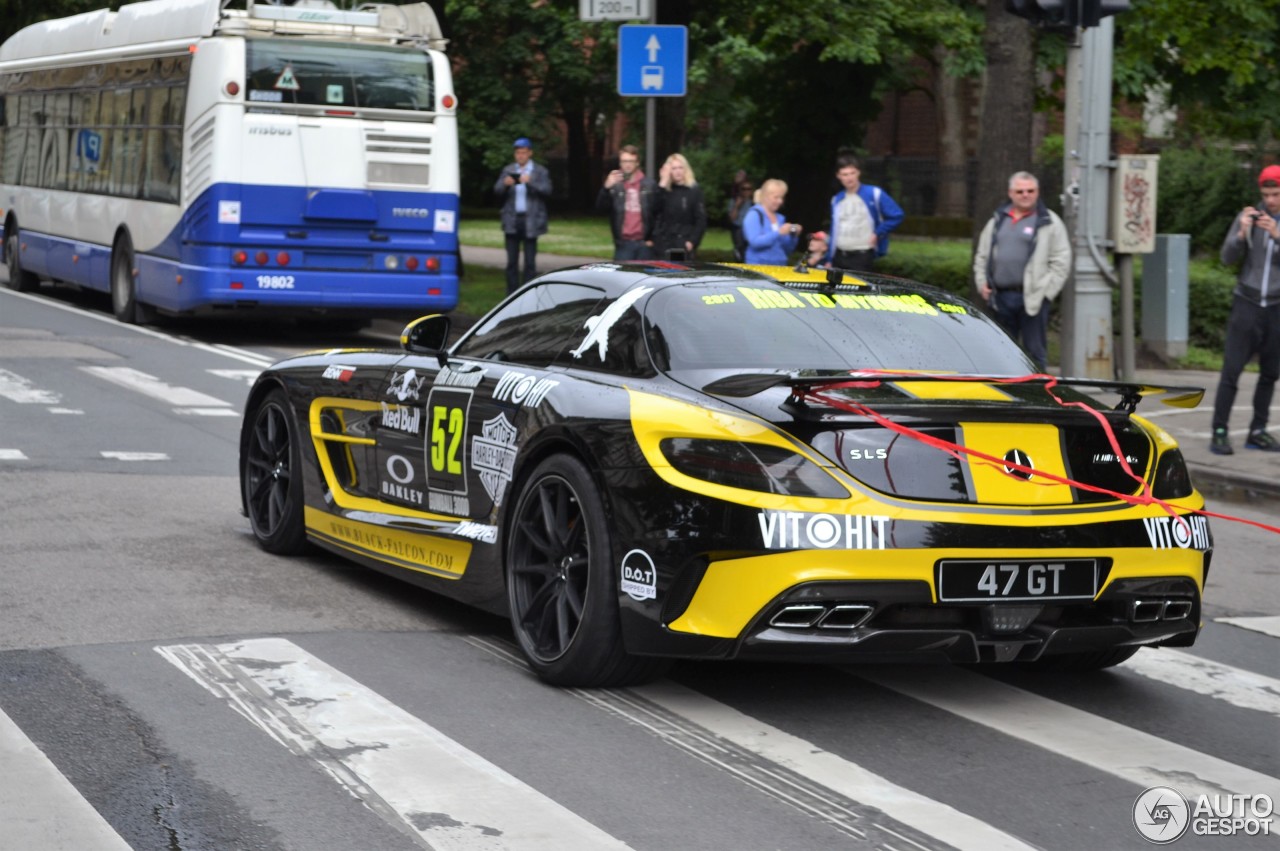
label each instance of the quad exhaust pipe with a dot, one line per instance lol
(822, 616)
(1150, 611)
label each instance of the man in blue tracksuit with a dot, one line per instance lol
(862, 217)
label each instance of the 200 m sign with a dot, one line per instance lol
(980, 580)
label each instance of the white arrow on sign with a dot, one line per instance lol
(653, 46)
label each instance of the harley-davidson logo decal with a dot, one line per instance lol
(493, 455)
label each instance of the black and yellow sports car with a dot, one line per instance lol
(653, 460)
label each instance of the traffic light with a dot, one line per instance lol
(1093, 11)
(1065, 13)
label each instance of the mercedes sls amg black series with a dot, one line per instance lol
(637, 462)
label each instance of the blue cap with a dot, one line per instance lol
(523, 142)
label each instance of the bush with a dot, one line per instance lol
(1201, 192)
(947, 264)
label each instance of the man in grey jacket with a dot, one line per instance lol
(524, 187)
(1021, 261)
(1254, 325)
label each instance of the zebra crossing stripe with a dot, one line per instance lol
(15, 388)
(120, 455)
(848, 797)
(149, 385)
(421, 782)
(12, 455)
(1226, 683)
(39, 807)
(1106, 745)
(944, 825)
(1266, 624)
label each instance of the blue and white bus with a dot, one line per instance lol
(189, 158)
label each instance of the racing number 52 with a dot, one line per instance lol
(447, 426)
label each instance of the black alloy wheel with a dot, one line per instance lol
(562, 583)
(271, 476)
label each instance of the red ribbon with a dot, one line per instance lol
(1008, 467)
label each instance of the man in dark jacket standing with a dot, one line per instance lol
(629, 198)
(524, 187)
(1254, 325)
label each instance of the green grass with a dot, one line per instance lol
(482, 287)
(584, 236)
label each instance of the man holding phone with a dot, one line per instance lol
(1254, 325)
(629, 198)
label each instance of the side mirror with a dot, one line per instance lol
(427, 335)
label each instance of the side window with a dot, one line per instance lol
(534, 328)
(614, 342)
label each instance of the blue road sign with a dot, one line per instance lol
(652, 60)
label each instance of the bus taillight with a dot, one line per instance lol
(447, 101)
(239, 258)
(433, 264)
(411, 264)
(283, 258)
(232, 88)
(260, 258)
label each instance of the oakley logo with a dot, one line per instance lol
(1020, 458)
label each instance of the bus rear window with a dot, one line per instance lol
(295, 72)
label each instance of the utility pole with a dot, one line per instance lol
(1086, 319)
(1086, 301)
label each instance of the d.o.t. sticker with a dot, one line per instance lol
(639, 578)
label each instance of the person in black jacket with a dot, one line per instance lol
(682, 214)
(523, 187)
(631, 200)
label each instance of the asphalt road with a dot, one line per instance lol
(165, 684)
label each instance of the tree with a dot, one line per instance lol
(1219, 61)
(1007, 104)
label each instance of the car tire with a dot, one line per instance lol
(562, 584)
(124, 286)
(271, 476)
(19, 278)
(1094, 660)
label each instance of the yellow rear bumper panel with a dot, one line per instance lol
(733, 592)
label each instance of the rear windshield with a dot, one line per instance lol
(760, 325)
(290, 72)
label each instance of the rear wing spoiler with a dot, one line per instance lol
(1130, 392)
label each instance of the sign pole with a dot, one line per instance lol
(651, 117)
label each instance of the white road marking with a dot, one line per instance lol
(248, 376)
(134, 456)
(149, 385)
(207, 412)
(236, 352)
(65, 411)
(932, 817)
(15, 388)
(1095, 741)
(12, 455)
(39, 807)
(432, 789)
(224, 350)
(1227, 683)
(795, 771)
(1266, 624)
